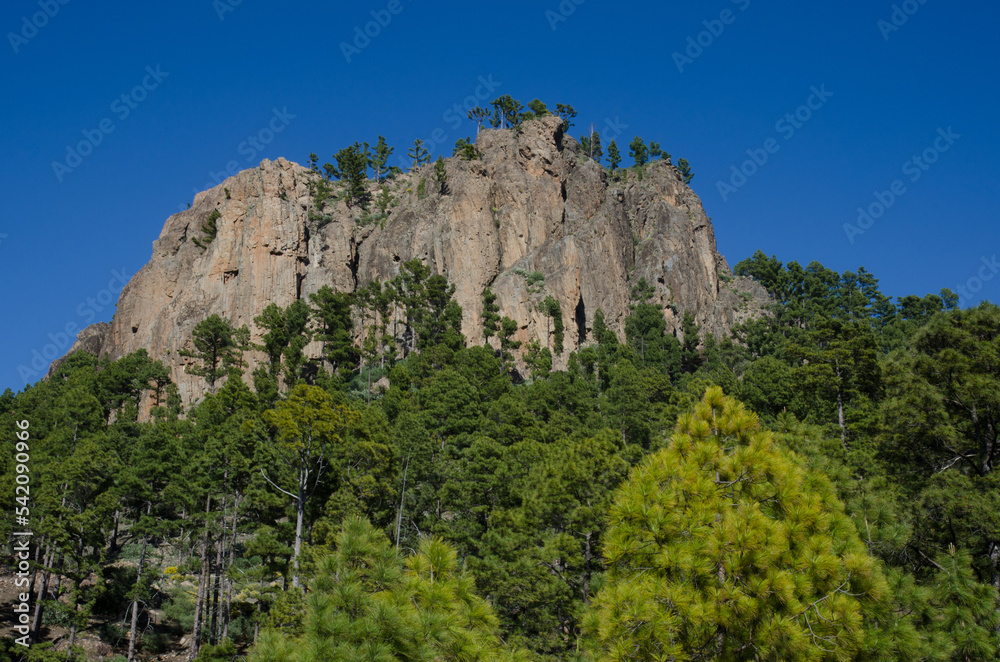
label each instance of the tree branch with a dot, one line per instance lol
(276, 487)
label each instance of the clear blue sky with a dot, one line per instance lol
(220, 81)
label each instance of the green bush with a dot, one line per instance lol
(118, 582)
(179, 610)
(209, 230)
(155, 642)
(224, 652)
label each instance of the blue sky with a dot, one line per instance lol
(711, 81)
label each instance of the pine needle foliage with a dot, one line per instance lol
(723, 546)
(368, 603)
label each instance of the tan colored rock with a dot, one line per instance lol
(531, 203)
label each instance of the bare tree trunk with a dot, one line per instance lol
(199, 604)
(587, 557)
(995, 558)
(133, 628)
(43, 588)
(300, 513)
(399, 516)
(37, 559)
(840, 409)
(213, 632)
(113, 546)
(58, 585)
(232, 559)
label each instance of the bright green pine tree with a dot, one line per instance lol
(307, 428)
(725, 547)
(367, 603)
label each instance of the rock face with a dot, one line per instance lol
(531, 203)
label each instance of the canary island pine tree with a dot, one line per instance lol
(368, 603)
(723, 546)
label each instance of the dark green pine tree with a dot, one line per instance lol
(567, 113)
(614, 156)
(969, 619)
(215, 349)
(506, 112)
(418, 154)
(352, 168)
(684, 168)
(440, 321)
(638, 150)
(441, 175)
(551, 308)
(465, 148)
(646, 333)
(491, 315)
(691, 358)
(479, 115)
(380, 158)
(508, 328)
(331, 314)
(537, 109)
(591, 145)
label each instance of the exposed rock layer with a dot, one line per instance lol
(531, 203)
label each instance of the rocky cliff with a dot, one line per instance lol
(531, 203)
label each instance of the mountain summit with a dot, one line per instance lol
(530, 217)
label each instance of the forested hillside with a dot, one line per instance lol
(436, 505)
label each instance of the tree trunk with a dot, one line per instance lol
(227, 609)
(135, 604)
(213, 632)
(113, 546)
(399, 516)
(995, 558)
(300, 513)
(58, 584)
(840, 408)
(34, 575)
(43, 588)
(587, 557)
(199, 604)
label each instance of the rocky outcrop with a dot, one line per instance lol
(531, 203)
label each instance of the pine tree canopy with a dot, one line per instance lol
(725, 547)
